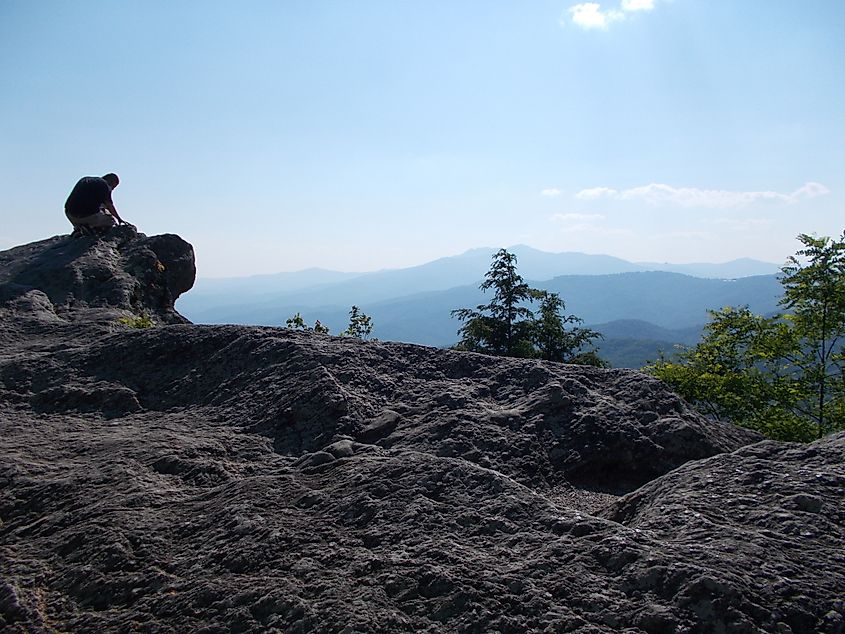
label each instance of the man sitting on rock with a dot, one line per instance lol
(89, 206)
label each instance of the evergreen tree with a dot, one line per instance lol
(554, 342)
(507, 327)
(503, 326)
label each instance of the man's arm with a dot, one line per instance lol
(109, 205)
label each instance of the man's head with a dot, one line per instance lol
(112, 180)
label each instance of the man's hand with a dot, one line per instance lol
(110, 208)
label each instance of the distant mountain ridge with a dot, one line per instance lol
(315, 287)
(320, 287)
(742, 267)
(639, 311)
(661, 309)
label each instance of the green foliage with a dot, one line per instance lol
(590, 357)
(507, 327)
(781, 375)
(814, 290)
(553, 342)
(360, 325)
(502, 327)
(298, 323)
(738, 373)
(139, 321)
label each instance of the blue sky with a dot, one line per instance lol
(276, 136)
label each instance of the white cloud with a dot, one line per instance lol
(576, 217)
(662, 194)
(596, 192)
(811, 190)
(550, 192)
(637, 5)
(588, 15)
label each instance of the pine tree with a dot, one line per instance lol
(552, 339)
(503, 326)
(507, 327)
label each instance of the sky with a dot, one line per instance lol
(282, 135)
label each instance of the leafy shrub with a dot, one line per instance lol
(360, 325)
(783, 375)
(138, 321)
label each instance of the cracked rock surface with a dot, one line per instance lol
(235, 479)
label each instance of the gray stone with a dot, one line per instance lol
(805, 502)
(228, 478)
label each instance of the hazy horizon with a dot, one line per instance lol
(483, 248)
(380, 135)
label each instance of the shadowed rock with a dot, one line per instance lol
(99, 278)
(227, 478)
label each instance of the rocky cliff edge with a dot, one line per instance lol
(98, 279)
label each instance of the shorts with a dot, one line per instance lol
(100, 220)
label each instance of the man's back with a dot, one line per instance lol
(87, 196)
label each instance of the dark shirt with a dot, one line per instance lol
(87, 196)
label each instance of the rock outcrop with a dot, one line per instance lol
(98, 279)
(236, 479)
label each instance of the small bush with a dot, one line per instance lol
(360, 325)
(140, 321)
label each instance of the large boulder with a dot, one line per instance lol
(543, 424)
(98, 279)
